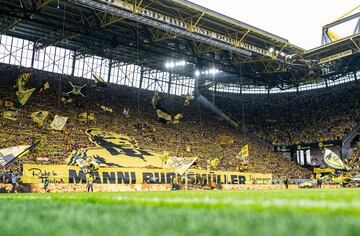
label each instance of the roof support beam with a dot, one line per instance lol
(174, 30)
(343, 20)
(104, 20)
(40, 4)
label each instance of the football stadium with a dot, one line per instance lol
(164, 117)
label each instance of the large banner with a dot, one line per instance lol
(73, 175)
(116, 150)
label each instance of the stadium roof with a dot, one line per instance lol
(149, 33)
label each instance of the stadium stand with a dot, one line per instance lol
(197, 130)
(141, 49)
(293, 118)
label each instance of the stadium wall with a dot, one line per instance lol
(39, 188)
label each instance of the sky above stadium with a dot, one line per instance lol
(298, 21)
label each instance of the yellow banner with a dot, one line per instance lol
(73, 175)
(336, 56)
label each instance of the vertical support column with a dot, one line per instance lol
(53, 61)
(110, 68)
(33, 55)
(22, 52)
(92, 66)
(357, 27)
(73, 64)
(355, 77)
(11, 46)
(214, 93)
(170, 81)
(326, 83)
(197, 86)
(141, 77)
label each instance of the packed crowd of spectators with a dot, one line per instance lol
(295, 118)
(354, 161)
(198, 133)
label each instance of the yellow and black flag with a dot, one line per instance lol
(334, 161)
(243, 155)
(58, 122)
(7, 155)
(45, 85)
(177, 118)
(99, 81)
(154, 100)
(91, 117)
(39, 117)
(8, 104)
(106, 109)
(77, 90)
(22, 97)
(83, 117)
(179, 164)
(11, 114)
(187, 100)
(66, 100)
(163, 116)
(21, 81)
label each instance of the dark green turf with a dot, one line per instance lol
(293, 212)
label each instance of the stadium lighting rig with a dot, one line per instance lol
(173, 64)
(212, 71)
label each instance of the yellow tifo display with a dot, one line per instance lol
(121, 161)
(116, 150)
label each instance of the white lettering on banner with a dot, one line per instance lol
(181, 24)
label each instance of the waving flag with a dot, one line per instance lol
(59, 122)
(11, 114)
(333, 161)
(7, 155)
(39, 117)
(23, 96)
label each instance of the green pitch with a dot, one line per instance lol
(293, 212)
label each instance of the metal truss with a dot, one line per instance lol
(176, 31)
(329, 36)
(30, 9)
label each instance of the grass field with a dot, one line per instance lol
(261, 212)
